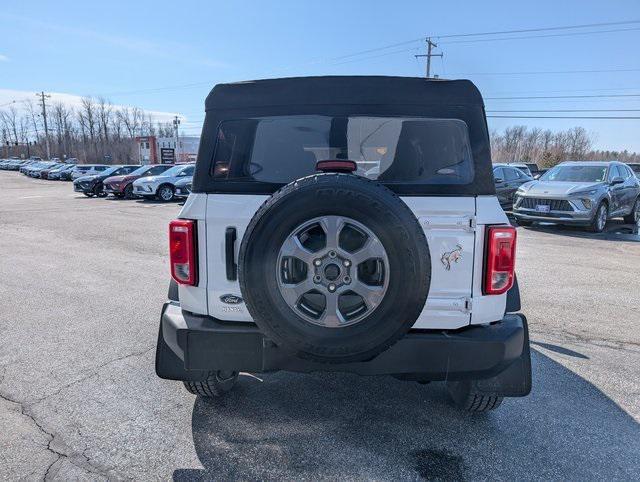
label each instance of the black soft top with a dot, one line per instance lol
(344, 90)
(348, 96)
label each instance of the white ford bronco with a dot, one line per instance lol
(345, 224)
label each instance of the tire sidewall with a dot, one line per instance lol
(165, 186)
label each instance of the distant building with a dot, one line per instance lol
(162, 150)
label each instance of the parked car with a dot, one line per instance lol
(56, 174)
(635, 167)
(87, 170)
(289, 257)
(162, 186)
(508, 179)
(33, 170)
(17, 164)
(183, 187)
(92, 185)
(44, 173)
(122, 186)
(580, 193)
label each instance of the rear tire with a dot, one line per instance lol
(88, 194)
(469, 400)
(215, 385)
(634, 216)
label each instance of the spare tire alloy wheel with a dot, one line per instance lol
(305, 277)
(334, 268)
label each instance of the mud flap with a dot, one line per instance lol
(170, 367)
(515, 381)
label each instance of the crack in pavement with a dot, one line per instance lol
(93, 373)
(78, 459)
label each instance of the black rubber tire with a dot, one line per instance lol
(382, 212)
(467, 399)
(88, 194)
(630, 218)
(172, 193)
(593, 225)
(215, 385)
(128, 191)
(98, 192)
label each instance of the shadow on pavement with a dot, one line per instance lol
(560, 349)
(342, 426)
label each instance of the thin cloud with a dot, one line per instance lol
(4, 58)
(132, 44)
(8, 96)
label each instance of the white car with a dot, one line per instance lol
(162, 187)
(293, 253)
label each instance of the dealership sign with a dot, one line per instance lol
(167, 155)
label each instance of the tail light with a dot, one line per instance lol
(182, 251)
(500, 259)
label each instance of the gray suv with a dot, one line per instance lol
(580, 193)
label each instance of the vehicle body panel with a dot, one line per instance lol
(450, 225)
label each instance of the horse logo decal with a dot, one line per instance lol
(450, 257)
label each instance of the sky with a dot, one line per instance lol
(166, 56)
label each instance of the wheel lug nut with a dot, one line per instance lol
(317, 262)
(316, 279)
(346, 280)
(332, 254)
(331, 287)
(347, 263)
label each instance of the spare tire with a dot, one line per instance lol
(334, 268)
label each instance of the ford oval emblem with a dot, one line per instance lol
(231, 299)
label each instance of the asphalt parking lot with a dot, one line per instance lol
(82, 283)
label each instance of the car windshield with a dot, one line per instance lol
(175, 170)
(140, 171)
(578, 173)
(110, 170)
(412, 150)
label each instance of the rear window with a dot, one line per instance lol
(393, 150)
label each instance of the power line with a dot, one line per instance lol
(568, 34)
(540, 29)
(560, 117)
(478, 34)
(562, 96)
(567, 110)
(543, 72)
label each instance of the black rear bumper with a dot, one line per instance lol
(189, 346)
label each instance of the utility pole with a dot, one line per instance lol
(430, 45)
(176, 123)
(44, 96)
